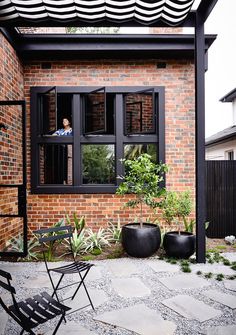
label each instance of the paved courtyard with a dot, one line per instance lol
(135, 296)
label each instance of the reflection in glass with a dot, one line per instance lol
(139, 115)
(132, 151)
(11, 234)
(98, 164)
(55, 162)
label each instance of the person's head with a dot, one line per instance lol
(65, 122)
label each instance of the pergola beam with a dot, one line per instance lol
(205, 8)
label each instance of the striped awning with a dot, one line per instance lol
(171, 12)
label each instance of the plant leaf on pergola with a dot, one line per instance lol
(155, 13)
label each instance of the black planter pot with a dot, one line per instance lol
(141, 242)
(179, 245)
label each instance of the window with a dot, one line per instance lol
(80, 134)
(229, 155)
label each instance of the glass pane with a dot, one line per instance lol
(139, 116)
(55, 113)
(8, 201)
(55, 164)
(11, 160)
(132, 151)
(48, 115)
(11, 234)
(98, 164)
(99, 113)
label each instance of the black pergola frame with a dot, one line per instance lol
(196, 20)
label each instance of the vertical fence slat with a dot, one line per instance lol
(221, 198)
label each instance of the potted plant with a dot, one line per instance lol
(142, 178)
(176, 208)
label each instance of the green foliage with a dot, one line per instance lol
(233, 267)
(98, 164)
(78, 243)
(186, 269)
(219, 277)
(176, 206)
(208, 275)
(199, 273)
(114, 231)
(96, 240)
(142, 178)
(16, 244)
(189, 225)
(78, 223)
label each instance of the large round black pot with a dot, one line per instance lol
(141, 242)
(179, 245)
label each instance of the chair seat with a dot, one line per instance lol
(74, 267)
(37, 310)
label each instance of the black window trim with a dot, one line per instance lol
(119, 138)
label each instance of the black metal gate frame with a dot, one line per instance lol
(22, 198)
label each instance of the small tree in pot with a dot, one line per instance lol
(142, 178)
(176, 208)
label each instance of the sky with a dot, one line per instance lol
(221, 75)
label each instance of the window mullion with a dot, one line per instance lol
(76, 111)
(119, 120)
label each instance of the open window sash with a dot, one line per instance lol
(94, 112)
(48, 122)
(140, 118)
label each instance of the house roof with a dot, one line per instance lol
(171, 12)
(221, 136)
(229, 97)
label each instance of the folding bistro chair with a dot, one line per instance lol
(33, 311)
(80, 267)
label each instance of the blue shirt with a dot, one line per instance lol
(63, 132)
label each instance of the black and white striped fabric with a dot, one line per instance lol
(146, 12)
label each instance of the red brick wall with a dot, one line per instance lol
(11, 88)
(178, 79)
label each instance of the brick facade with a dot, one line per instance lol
(11, 88)
(178, 79)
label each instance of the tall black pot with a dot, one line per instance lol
(179, 245)
(141, 242)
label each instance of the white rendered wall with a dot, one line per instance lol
(219, 151)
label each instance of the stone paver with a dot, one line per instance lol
(94, 273)
(162, 266)
(191, 308)
(40, 281)
(230, 285)
(231, 256)
(73, 328)
(213, 268)
(130, 287)
(139, 319)
(98, 298)
(13, 267)
(223, 298)
(3, 322)
(222, 330)
(184, 281)
(122, 269)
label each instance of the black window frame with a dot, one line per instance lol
(119, 139)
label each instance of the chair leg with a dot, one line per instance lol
(59, 323)
(82, 283)
(53, 286)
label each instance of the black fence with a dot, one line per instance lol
(221, 198)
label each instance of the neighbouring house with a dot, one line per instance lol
(222, 145)
(121, 94)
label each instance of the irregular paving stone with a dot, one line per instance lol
(213, 268)
(130, 287)
(13, 267)
(139, 319)
(94, 273)
(222, 330)
(184, 281)
(98, 298)
(231, 256)
(3, 322)
(223, 298)
(122, 269)
(42, 280)
(73, 328)
(230, 285)
(162, 266)
(191, 308)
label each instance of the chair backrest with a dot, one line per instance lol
(54, 234)
(6, 284)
